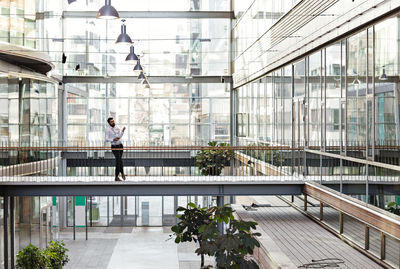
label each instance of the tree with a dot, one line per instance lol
(212, 161)
(190, 221)
(232, 249)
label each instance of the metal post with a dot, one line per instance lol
(73, 215)
(366, 246)
(5, 219)
(321, 211)
(220, 203)
(292, 198)
(305, 202)
(86, 215)
(383, 246)
(340, 222)
(12, 230)
(108, 211)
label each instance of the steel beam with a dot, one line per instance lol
(151, 79)
(150, 189)
(157, 14)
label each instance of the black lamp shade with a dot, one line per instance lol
(138, 67)
(107, 12)
(132, 57)
(383, 76)
(123, 38)
(141, 76)
(71, 1)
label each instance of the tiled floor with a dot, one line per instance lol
(126, 248)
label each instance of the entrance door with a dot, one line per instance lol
(122, 211)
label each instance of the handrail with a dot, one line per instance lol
(80, 148)
(365, 213)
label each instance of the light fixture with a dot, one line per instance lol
(132, 57)
(141, 76)
(138, 67)
(71, 1)
(147, 86)
(107, 12)
(383, 76)
(356, 81)
(123, 38)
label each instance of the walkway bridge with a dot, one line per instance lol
(294, 174)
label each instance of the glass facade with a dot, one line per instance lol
(343, 99)
(28, 111)
(165, 114)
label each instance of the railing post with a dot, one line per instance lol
(366, 243)
(340, 222)
(383, 246)
(321, 211)
(305, 202)
(292, 199)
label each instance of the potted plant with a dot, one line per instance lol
(56, 255)
(211, 161)
(30, 258)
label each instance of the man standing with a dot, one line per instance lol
(114, 135)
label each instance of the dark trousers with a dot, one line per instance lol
(119, 168)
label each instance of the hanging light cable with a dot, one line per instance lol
(123, 38)
(132, 57)
(107, 12)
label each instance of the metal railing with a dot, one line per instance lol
(95, 162)
(372, 230)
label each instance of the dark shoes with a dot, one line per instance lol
(117, 179)
(123, 177)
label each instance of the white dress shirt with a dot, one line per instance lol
(114, 132)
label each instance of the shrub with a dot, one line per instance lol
(56, 255)
(30, 258)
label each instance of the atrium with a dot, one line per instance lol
(286, 111)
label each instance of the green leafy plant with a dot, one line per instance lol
(56, 255)
(190, 221)
(212, 161)
(232, 249)
(30, 258)
(393, 207)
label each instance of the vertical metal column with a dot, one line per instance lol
(73, 215)
(5, 219)
(86, 215)
(12, 230)
(220, 203)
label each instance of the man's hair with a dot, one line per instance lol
(109, 119)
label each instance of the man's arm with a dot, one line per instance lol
(121, 133)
